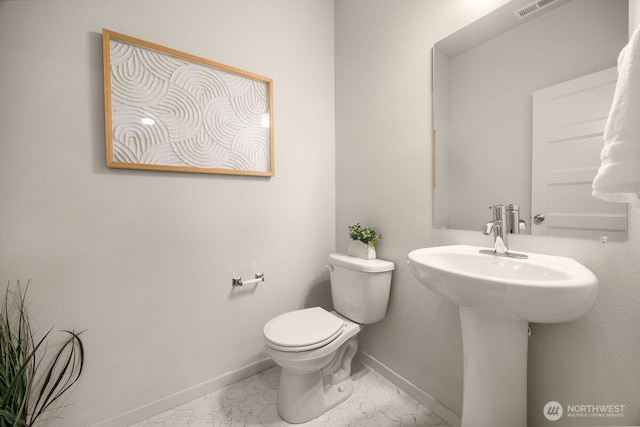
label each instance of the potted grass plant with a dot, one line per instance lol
(31, 381)
(364, 241)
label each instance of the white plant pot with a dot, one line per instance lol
(361, 250)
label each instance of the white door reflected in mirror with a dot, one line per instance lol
(568, 131)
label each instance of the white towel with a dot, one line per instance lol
(618, 179)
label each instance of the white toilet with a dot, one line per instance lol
(315, 347)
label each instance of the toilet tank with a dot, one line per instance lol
(360, 287)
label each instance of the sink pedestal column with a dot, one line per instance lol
(495, 370)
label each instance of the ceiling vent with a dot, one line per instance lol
(532, 7)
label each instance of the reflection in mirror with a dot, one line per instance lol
(504, 88)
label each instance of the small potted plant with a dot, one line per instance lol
(364, 241)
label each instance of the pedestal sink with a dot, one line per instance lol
(498, 297)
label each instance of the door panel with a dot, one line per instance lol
(568, 128)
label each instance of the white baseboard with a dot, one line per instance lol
(163, 404)
(411, 389)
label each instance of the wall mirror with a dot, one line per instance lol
(520, 100)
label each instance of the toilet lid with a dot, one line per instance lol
(303, 329)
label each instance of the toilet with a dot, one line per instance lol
(315, 347)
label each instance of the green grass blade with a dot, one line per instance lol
(65, 372)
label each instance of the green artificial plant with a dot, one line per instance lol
(364, 234)
(30, 382)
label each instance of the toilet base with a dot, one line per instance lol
(306, 397)
(303, 397)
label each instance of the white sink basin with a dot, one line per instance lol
(498, 296)
(540, 289)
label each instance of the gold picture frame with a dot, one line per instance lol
(171, 111)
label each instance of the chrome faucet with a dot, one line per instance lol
(506, 219)
(499, 225)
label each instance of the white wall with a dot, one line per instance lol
(383, 157)
(491, 87)
(143, 260)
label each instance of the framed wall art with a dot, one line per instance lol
(172, 111)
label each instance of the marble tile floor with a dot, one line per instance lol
(375, 402)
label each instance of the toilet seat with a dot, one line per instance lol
(303, 330)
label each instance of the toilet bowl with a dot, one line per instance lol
(315, 347)
(315, 376)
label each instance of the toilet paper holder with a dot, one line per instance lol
(237, 281)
